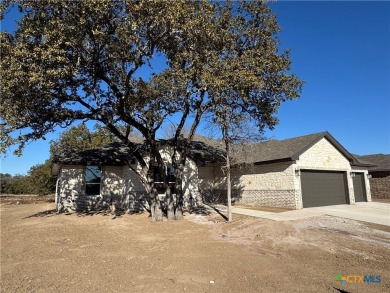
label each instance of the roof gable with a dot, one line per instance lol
(289, 149)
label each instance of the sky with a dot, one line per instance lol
(342, 52)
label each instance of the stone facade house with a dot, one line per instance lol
(379, 175)
(103, 177)
(307, 171)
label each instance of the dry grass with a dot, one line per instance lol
(15, 199)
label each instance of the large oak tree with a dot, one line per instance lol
(87, 60)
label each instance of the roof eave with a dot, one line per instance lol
(274, 161)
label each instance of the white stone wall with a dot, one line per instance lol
(72, 181)
(132, 182)
(323, 155)
(112, 183)
(72, 186)
(266, 184)
(190, 180)
(206, 177)
(276, 176)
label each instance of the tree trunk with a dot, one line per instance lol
(229, 193)
(155, 205)
(179, 192)
(170, 205)
(152, 207)
(228, 179)
(158, 210)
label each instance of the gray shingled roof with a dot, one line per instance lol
(381, 161)
(288, 149)
(202, 152)
(117, 154)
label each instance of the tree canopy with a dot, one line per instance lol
(80, 138)
(73, 61)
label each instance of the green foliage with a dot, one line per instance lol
(79, 138)
(74, 61)
(18, 184)
(40, 179)
(79, 60)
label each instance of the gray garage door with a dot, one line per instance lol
(321, 188)
(359, 187)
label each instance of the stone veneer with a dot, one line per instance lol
(267, 184)
(380, 184)
(277, 184)
(120, 188)
(272, 198)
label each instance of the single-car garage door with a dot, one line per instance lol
(320, 188)
(359, 187)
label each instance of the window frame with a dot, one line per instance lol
(87, 169)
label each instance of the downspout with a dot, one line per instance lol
(57, 196)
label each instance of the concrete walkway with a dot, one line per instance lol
(372, 212)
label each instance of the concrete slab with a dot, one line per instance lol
(372, 212)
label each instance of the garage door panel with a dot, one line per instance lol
(321, 188)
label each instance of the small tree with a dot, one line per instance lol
(40, 180)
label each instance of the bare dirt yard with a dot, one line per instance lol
(42, 251)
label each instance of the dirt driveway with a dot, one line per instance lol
(44, 252)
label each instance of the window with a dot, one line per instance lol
(171, 173)
(93, 175)
(171, 178)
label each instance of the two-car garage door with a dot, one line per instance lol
(320, 188)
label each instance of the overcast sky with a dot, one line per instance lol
(341, 51)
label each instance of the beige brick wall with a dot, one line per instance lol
(272, 198)
(380, 184)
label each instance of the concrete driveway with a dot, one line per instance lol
(372, 212)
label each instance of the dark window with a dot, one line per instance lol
(93, 175)
(171, 173)
(171, 178)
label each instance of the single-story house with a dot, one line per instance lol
(379, 174)
(100, 177)
(307, 171)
